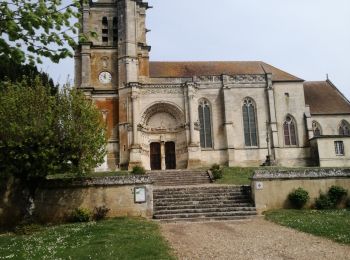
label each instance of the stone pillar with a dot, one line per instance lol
(194, 149)
(134, 99)
(308, 122)
(162, 154)
(135, 151)
(85, 65)
(191, 107)
(274, 141)
(228, 123)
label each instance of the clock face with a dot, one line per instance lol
(105, 77)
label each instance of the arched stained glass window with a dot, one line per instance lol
(249, 122)
(205, 124)
(344, 128)
(316, 128)
(289, 128)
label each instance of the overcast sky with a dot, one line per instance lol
(307, 38)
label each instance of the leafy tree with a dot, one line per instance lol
(13, 71)
(42, 133)
(42, 28)
(81, 132)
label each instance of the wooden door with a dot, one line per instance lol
(170, 156)
(156, 159)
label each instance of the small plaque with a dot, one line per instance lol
(140, 194)
(259, 185)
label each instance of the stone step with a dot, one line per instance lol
(204, 210)
(169, 184)
(194, 195)
(206, 219)
(204, 215)
(203, 198)
(208, 188)
(203, 202)
(199, 206)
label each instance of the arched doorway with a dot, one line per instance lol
(163, 136)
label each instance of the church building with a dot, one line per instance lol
(178, 115)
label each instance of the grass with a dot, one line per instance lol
(332, 224)
(236, 175)
(121, 238)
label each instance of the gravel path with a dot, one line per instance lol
(254, 239)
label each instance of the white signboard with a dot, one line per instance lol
(259, 185)
(140, 194)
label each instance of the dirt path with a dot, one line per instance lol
(255, 239)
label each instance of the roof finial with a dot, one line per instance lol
(327, 76)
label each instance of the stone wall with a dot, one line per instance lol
(56, 199)
(270, 189)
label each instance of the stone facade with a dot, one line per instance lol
(152, 109)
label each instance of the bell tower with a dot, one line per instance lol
(110, 65)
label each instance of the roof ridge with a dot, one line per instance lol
(339, 92)
(264, 63)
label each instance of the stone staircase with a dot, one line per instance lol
(179, 177)
(202, 203)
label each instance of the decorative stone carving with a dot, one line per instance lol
(162, 117)
(208, 79)
(104, 62)
(247, 79)
(152, 91)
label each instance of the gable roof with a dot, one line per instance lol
(324, 98)
(159, 69)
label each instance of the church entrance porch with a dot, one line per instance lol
(162, 156)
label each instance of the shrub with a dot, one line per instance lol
(299, 198)
(324, 202)
(138, 170)
(81, 215)
(336, 194)
(27, 229)
(100, 212)
(348, 203)
(216, 171)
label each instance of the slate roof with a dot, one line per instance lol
(159, 69)
(325, 99)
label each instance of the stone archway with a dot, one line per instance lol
(163, 123)
(169, 114)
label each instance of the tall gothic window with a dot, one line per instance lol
(249, 122)
(316, 128)
(289, 129)
(205, 124)
(344, 128)
(105, 30)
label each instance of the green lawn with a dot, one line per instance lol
(236, 175)
(121, 238)
(332, 224)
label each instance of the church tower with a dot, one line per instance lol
(108, 67)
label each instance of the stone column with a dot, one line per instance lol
(135, 151)
(134, 99)
(228, 123)
(85, 65)
(194, 150)
(274, 141)
(191, 95)
(308, 121)
(162, 154)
